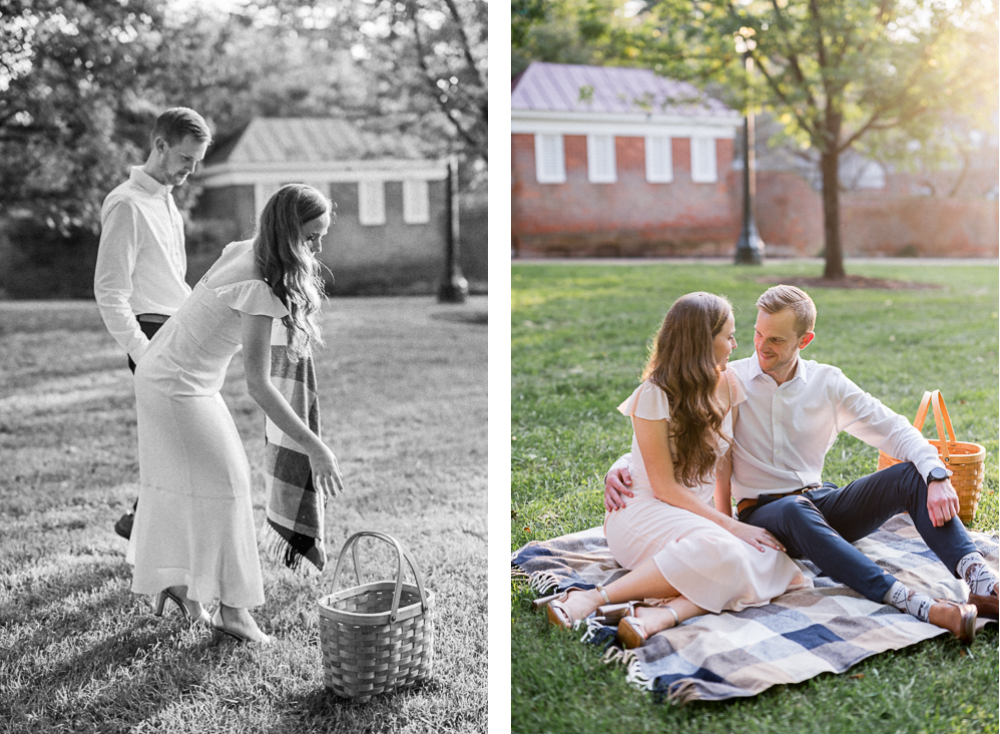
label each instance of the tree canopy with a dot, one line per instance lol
(81, 82)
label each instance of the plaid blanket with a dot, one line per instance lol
(295, 510)
(797, 636)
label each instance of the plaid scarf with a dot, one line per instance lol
(295, 510)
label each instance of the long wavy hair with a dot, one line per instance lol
(288, 266)
(682, 364)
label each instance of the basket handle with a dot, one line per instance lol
(942, 420)
(401, 553)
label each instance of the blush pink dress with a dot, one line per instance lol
(705, 563)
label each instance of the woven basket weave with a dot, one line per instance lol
(376, 637)
(964, 460)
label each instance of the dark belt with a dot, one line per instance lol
(152, 318)
(746, 504)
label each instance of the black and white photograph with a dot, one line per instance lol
(243, 366)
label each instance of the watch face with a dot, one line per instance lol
(937, 475)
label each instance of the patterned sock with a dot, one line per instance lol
(973, 569)
(909, 602)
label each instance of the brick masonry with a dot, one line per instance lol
(634, 218)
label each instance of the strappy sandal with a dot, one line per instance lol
(632, 632)
(559, 615)
(205, 619)
(544, 601)
(612, 614)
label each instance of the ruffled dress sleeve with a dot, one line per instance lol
(647, 401)
(737, 394)
(253, 297)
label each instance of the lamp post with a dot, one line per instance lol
(749, 246)
(454, 287)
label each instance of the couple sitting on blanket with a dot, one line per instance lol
(760, 428)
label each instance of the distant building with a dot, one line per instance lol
(391, 219)
(621, 162)
(610, 161)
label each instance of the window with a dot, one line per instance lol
(550, 164)
(416, 208)
(601, 159)
(371, 202)
(659, 164)
(703, 160)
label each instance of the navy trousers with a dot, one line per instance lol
(820, 525)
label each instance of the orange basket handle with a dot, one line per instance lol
(401, 553)
(941, 419)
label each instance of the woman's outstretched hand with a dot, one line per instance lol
(326, 471)
(755, 536)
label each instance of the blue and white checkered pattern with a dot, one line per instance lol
(799, 635)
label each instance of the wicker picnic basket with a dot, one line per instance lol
(376, 637)
(964, 460)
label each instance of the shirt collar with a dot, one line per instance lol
(801, 371)
(147, 183)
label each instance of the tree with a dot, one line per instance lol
(430, 58)
(67, 76)
(837, 72)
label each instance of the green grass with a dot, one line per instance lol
(579, 338)
(403, 393)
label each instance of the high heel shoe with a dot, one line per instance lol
(612, 614)
(161, 601)
(632, 632)
(220, 632)
(559, 615)
(544, 601)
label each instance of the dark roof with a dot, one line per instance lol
(308, 140)
(609, 90)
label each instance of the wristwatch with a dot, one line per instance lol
(937, 474)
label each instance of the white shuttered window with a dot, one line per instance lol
(703, 166)
(601, 159)
(550, 162)
(416, 209)
(659, 164)
(371, 202)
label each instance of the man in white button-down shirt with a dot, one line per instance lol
(141, 261)
(794, 411)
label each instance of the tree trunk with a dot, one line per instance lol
(829, 164)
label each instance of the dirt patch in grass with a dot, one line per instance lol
(851, 282)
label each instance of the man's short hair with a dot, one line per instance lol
(177, 123)
(781, 297)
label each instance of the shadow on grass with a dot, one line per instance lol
(322, 710)
(75, 650)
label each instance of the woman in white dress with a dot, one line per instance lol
(194, 540)
(676, 544)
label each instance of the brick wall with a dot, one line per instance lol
(628, 218)
(874, 222)
(633, 218)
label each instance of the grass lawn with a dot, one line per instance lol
(403, 392)
(579, 338)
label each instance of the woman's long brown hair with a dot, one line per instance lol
(287, 265)
(682, 364)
